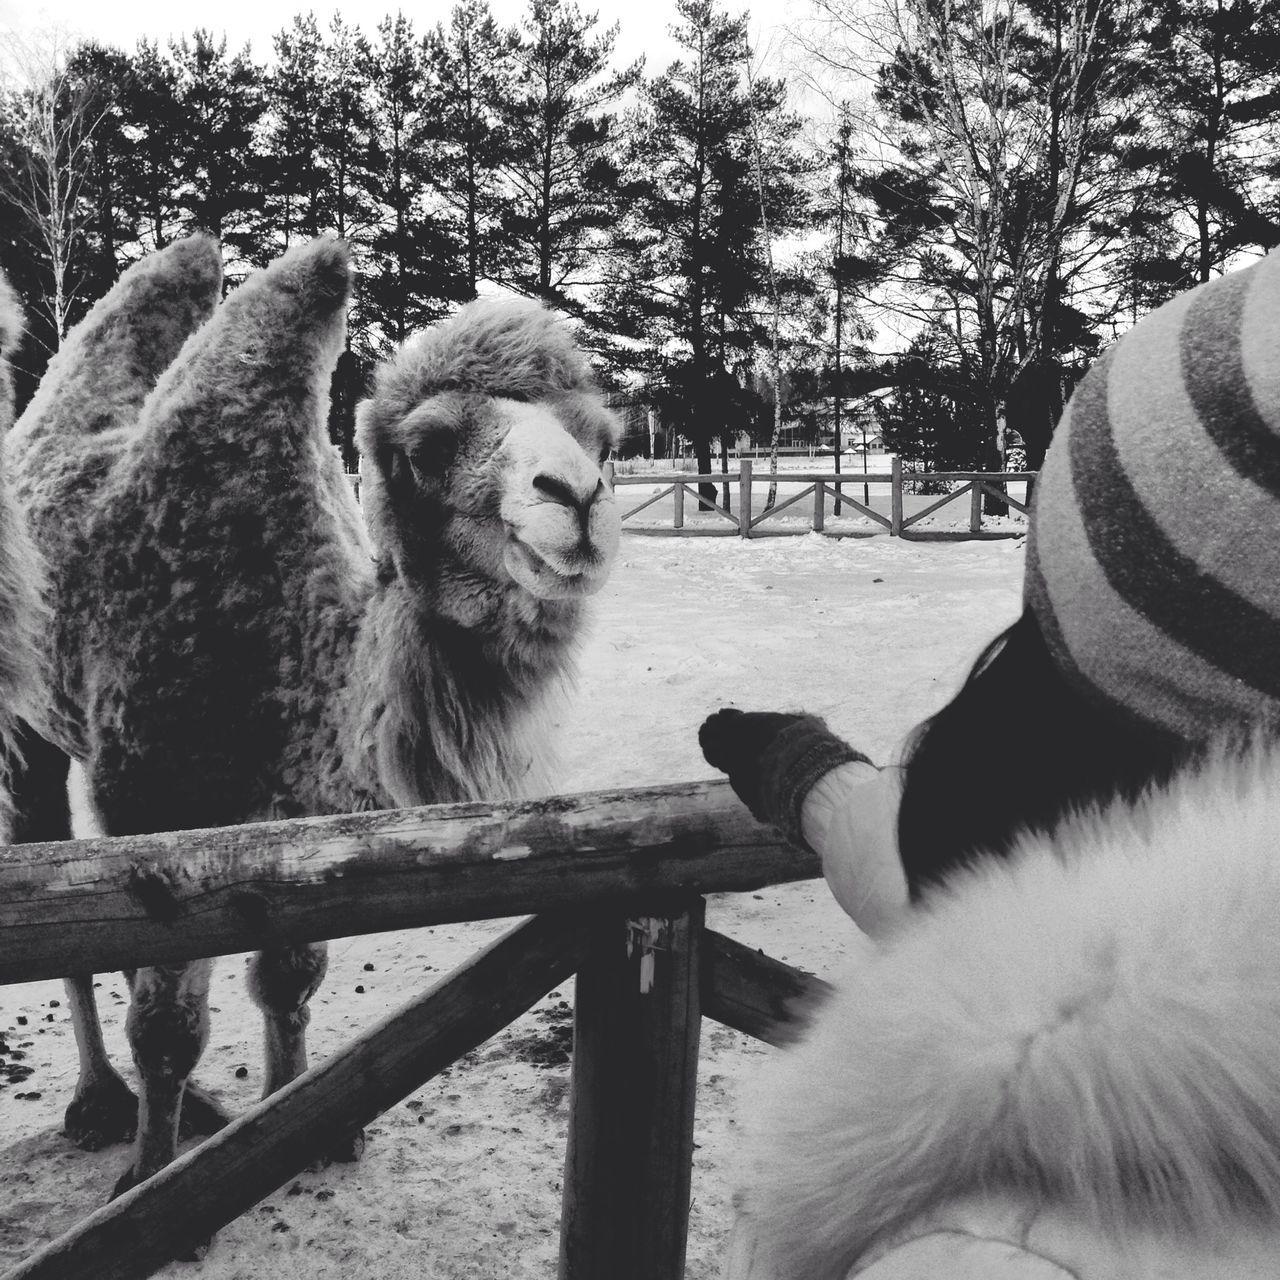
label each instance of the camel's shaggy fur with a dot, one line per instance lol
(232, 644)
(23, 688)
(1092, 1025)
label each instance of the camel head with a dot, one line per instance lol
(487, 436)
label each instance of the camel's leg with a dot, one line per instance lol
(168, 1027)
(281, 982)
(103, 1109)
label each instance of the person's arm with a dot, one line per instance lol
(791, 771)
(850, 819)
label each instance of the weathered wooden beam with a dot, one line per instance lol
(211, 1185)
(797, 477)
(628, 1165)
(754, 993)
(90, 906)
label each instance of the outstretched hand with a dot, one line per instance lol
(772, 759)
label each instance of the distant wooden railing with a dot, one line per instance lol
(616, 881)
(822, 485)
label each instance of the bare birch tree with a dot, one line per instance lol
(993, 138)
(52, 118)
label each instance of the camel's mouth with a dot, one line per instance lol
(538, 576)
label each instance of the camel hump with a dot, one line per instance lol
(109, 362)
(313, 280)
(506, 346)
(254, 382)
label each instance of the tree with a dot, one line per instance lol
(471, 62)
(295, 192)
(845, 271)
(1002, 121)
(933, 424)
(1214, 68)
(51, 116)
(155, 124)
(219, 100)
(559, 159)
(691, 257)
(344, 132)
(770, 147)
(416, 259)
(104, 76)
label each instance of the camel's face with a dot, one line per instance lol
(512, 492)
(559, 516)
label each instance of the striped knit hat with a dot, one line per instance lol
(1153, 565)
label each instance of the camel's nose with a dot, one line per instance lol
(578, 498)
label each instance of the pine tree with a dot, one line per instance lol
(692, 261)
(417, 267)
(103, 75)
(472, 66)
(294, 179)
(344, 133)
(154, 120)
(220, 100)
(1213, 68)
(560, 162)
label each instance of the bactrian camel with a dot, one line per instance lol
(233, 642)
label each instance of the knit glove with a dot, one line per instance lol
(773, 760)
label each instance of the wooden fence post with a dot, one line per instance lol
(628, 1166)
(819, 506)
(895, 497)
(677, 517)
(975, 506)
(744, 497)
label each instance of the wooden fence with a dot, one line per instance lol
(614, 882)
(820, 486)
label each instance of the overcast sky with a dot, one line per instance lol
(643, 26)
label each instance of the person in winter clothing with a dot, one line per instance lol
(1061, 1056)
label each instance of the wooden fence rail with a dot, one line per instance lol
(81, 906)
(617, 879)
(681, 483)
(820, 485)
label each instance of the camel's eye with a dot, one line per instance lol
(433, 453)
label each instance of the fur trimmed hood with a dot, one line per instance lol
(1092, 1023)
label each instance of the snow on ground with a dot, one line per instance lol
(463, 1179)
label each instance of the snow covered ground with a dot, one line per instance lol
(463, 1179)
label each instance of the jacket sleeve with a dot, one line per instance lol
(850, 820)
